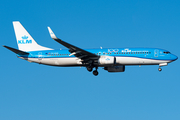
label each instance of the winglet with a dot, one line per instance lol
(53, 36)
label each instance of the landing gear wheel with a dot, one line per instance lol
(89, 69)
(95, 72)
(160, 69)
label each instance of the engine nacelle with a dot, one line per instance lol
(115, 68)
(104, 60)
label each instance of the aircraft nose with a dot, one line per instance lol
(175, 57)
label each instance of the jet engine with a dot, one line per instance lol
(115, 68)
(104, 60)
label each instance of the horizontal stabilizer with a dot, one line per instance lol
(19, 52)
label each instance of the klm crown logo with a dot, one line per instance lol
(24, 37)
(107, 59)
(24, 40)
(126, 50)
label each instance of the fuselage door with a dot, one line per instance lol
(156, 53)
(40, 56)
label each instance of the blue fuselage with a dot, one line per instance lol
(147, 53)
(124, 56)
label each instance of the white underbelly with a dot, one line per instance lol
(57, 61)
(137, 61)
(77, 62)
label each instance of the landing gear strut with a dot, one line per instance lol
(160, 69)
(95, 72)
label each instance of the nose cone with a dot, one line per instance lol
(174, 57)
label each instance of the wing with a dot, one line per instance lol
(84, 55)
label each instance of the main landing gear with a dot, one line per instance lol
(95, 72)
(90, 68)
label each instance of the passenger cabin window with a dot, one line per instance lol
(166, 52)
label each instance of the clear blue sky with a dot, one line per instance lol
(30, 91)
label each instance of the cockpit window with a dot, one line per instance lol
(166, 52)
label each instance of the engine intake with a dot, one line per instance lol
(104, 60)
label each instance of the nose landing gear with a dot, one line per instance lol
(160, 69)
(160, 65)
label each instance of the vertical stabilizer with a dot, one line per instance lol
(24, 40)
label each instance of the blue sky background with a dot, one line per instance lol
(30, 91)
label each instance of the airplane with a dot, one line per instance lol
(111, 59)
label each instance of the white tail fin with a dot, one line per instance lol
(24, 40)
